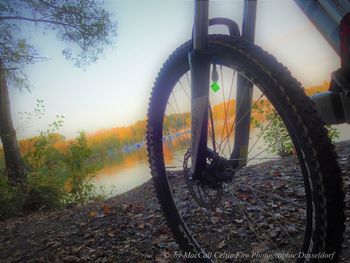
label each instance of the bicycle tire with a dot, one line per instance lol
(326, 220)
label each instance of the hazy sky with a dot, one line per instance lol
(115, 90)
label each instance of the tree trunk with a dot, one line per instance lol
(14, 164)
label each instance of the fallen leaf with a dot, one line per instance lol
(106, 209)
(161, 258)
(221, 244)
(92, 213)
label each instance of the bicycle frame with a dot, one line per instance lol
(334, 12)
(332, 19)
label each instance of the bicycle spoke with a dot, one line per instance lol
(235, 123)
(184, 90)
(218, 216)
(261, 134)
(251, 224)
(266, 149)
(176, 128)
(211, 128)
(225, 128)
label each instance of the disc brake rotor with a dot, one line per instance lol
(204, 195)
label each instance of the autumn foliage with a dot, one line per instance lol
(117, 139)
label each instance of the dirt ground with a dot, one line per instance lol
(125, 228)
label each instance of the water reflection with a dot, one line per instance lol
(126, 170)
(123, 171)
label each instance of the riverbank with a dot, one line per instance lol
(125, 228)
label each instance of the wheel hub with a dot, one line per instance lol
(207, 189)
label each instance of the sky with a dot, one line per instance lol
(114, 91)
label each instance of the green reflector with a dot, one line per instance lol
(215, 87)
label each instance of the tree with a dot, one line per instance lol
(83, 25)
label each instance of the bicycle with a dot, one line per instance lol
(234, 202)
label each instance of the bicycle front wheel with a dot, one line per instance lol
(285, 204)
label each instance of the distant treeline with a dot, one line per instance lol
(126, 139)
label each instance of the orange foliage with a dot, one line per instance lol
(135, 133)
(119, 136)
(317, 89)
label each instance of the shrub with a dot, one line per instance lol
(81, 172)
(274, 133)
(11, 199)
(43, 198)
(55, 178)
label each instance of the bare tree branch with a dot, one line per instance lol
(48, 4)
(38, 21)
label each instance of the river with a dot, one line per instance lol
(123, 173)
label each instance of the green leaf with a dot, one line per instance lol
(22, 44)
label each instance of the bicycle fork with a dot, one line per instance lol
(200, 68)
(199, 60)
(244, 94)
